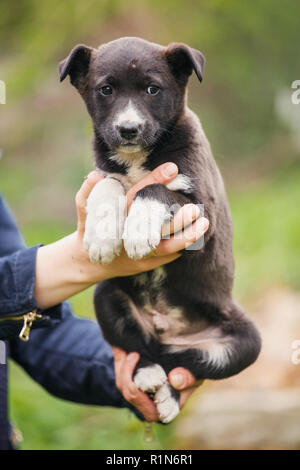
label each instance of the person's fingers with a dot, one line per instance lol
(119, 359)
(182, 240)
(132, 394)
(181, 378)
(145, 405)
(118, 353)
(184, 217)
(81, 197)
(163, 174)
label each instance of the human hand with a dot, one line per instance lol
(167, 250)
(181, 379)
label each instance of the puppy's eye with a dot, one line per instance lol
(106, 90)
(152, 90)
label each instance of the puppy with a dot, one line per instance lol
(182, 314)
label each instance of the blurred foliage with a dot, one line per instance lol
(251, 49)
(252, 52)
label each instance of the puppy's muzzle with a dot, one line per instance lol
(128, 130)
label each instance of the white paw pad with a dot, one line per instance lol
(167, 406)
(151, 378)
(142, 230)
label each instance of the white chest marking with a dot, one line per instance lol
(135, 170)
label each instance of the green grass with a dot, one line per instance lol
(50, 423)
(267, 233)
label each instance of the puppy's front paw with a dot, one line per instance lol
(151, 378)
(101, 246)
(142, 231)
(105, 220)
(166, 404)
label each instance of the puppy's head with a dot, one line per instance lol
(134, 90)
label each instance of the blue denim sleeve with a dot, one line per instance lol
(17, 280)
(72, 361)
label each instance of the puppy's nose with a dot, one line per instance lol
(128, 130)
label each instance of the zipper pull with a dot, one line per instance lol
(28, 320)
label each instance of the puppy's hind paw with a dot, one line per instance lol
(167, 405)
(150, 378)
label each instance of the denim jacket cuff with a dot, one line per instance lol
(20, 272)
(24, 279)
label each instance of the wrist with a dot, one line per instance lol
(63, 269)
(82, 270)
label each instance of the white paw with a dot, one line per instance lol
(151, 378)
(142, 230)
(105, 221)
(167, 406)
(100, 249)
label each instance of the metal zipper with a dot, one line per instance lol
(28, 319)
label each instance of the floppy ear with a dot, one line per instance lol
(183, 60)
(76, 65)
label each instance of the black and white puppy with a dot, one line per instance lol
(181, 314)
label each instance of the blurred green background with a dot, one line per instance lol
(252, 52)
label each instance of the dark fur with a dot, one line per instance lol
(199, 281)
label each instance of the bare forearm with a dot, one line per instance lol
(62, 270)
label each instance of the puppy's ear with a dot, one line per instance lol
(183, 59)
(76, 65)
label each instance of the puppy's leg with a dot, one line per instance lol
(121, 328)
(106, 209)
(118, 319)
(167, 403)
(217, 352)
(152, 207)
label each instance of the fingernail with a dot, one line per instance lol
(177, 381)
(170, 170)
(204, 223)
